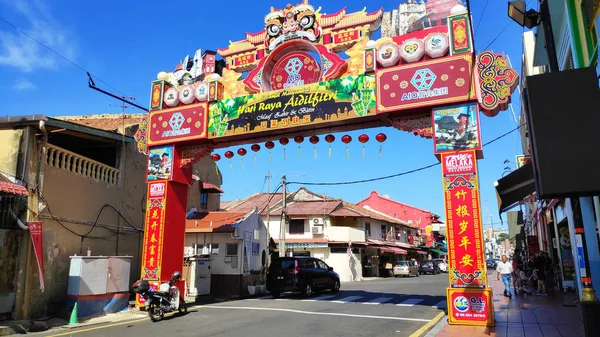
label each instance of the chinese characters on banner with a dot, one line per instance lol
(465, 242)
(35, 230)
(154, 227)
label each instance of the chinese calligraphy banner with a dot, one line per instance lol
(35, 230)
(465, 238)
(154, 227)
(470, 306)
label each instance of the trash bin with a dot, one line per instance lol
(591, 318)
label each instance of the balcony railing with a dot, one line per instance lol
(66, 160)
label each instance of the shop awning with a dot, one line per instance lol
(437, 251)
(394, 250)
(513, 188)
(210, 188)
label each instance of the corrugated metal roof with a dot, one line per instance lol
(213, 221)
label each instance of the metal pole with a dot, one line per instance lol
(283, 222)
(549, 36)
(268, 213)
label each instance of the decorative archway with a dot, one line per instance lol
(428, 82)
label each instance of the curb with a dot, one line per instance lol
(87, 324)
(438, 327)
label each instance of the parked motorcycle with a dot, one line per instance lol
(166, 299)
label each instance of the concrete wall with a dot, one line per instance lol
(9, 151)
(349, 268)
(208, 172)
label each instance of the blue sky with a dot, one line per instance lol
(127, 44)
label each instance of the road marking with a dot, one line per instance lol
(281, 299)
(440, 305)
(410, 302)
(100, 327)
(347, 299)
(317, 313)
(320, 298)
(426, 327)
(378, 300)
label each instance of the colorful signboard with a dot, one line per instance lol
(459, 28)
(496, 81)
(521, 160)
(566, 254)
(323, 102)
(153, 235)
(160, 163)
(295, 69)
(427, 83)
(456, 128)
(156, 97)
(470, 306)
(345, 37)
(178, 124)
(243, 60)
(466, 259)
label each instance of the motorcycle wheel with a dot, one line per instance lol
(155, 313)
(182, 306)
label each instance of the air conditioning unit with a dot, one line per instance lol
(317, 230)
(318, 221)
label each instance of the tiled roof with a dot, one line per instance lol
(255, 201)
(106, 122)
(310, 208)
(211, 188)
(213, 222)
(9, 187)
(375, 215)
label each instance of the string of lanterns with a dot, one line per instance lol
(346, 139)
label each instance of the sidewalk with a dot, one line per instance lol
(524, 315)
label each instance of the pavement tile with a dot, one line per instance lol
(528, 317)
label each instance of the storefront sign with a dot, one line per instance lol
(463, 216)
(566, 254)
(470, 306)
(521, 160)
(160, 163)
(153, 236)
(178, 124)
(344, 37)
(460, 34)
(456, 128)
(323, 102)
(580, 255)
(427, 83)
(35, 231)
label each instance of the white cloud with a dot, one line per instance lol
(21, 52)
(23, 84)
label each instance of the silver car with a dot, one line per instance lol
(405, 268)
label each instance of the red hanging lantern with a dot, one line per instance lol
(242, 152)
(346, 139)
(215, 157)
(270, 145)
(381, 137)
(363, 139)
(298, 140)
(229, 155)
(314, 140)
(284, 141)
(330, 139)
(255, 148)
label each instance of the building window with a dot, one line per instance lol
(383, 232)
(232, 249)
(204, 200)
(368, 228)
(215, 249)
(297, 226)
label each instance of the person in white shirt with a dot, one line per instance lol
(504, 270)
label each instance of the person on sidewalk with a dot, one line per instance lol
(505, 270)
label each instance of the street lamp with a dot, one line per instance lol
(529, 19)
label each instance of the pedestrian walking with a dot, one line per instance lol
(504, 270)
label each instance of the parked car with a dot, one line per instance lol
(490, 263)
(300, 274)
(442, 265)
(428, 267)
(405, 268)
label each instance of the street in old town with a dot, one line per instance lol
(390, 307)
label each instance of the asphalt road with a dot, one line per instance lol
(388, 307)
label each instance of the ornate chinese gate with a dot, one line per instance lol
(424, 79)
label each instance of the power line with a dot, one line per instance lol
(503, 30)
(397, 174)
(481, 17)
(58, 54)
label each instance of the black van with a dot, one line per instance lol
(300, 274)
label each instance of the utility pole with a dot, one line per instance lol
(283, 222)
(268, 177)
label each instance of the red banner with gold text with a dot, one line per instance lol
(466, 257)
(154, 230)
(35, 230)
